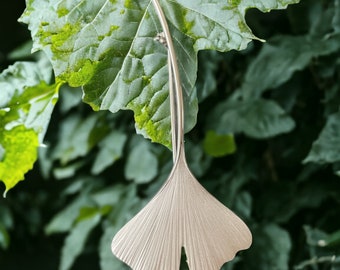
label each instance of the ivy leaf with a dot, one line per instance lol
(207, 67)
(63, 221)
(277, 257)
(326, 148)
(125, 206)
(198, 162)
(336, 18)
(75, 241)
(142, 164)
(69, 98)
(111, 149)
(107, 261)
(109, 48)
(79, 136)
(287, 54)
(314, 236)
(258, 118)
(26, 105)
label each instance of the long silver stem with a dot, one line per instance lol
(173, 116)
(175, 88)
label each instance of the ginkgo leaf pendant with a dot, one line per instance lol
(182, 214)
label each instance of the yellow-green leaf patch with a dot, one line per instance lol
(26, 104)
(21, 153)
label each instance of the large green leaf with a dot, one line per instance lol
(109, 48)
(26, 104)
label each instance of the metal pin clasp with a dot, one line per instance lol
(160, 37)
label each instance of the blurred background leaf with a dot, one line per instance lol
(266, 145)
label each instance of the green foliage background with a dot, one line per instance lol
(267, 144)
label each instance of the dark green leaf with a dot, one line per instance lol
(63, 221)
(270, 249)
(315, 237)
(333, 240)
(4, 237)
(108, 196)
(79, 136)
(287, 54)
(75, 241)
(111, 149)
(67, 171)
(6, 217)
(326, 149)
(142, 164)
(198, 162)
(317, 262)
(69, 97)
(258, 118)
(336, 18)
(21, 52)
(207, 67)
(243, 204)
(107, 260)
(127, 206)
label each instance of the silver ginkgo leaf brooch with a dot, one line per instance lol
(182, 214)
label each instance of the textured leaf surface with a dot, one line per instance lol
(26, 104)
(109, 48)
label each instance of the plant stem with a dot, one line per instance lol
(175, 88)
